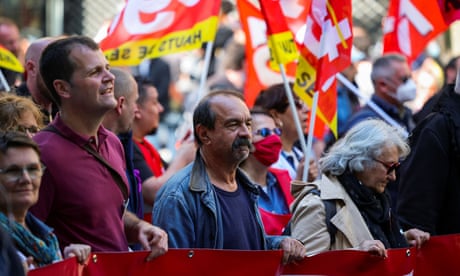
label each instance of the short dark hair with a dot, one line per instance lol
(204, 115)
(16, 139)
(273, 97)
(452, 63)
(142, 83)
(55, 62)
(226, 7)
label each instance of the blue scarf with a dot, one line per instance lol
(42, 245)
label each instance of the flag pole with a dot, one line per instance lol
(4, 82)
(311, 130)
(187, 126)
(370, 103)
(204, 72)
(295, 115)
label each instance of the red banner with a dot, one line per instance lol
(148, 29)
(439, 256)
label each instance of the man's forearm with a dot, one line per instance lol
(131, 223)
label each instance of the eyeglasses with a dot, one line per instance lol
(25, 129)
(390, 167)
(264, 132)
(14, 173)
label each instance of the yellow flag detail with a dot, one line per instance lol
(132, 53)
(282, 49)
(9, 61)
(304, 88)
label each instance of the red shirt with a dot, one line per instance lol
(78, 196)
(274, 224)
(151, 156)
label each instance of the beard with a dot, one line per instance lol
(153, 131)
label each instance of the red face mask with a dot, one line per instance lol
(268, 150)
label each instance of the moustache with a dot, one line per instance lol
(243, 142)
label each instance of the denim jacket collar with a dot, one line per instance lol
(199, 174)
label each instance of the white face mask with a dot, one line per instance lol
(405, 92)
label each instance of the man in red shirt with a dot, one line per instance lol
(146, 122)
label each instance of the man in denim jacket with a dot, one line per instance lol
(211, 203)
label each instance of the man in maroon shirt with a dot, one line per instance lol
(80, 197)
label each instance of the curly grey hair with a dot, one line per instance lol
(360, 145)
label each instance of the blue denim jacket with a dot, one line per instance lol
(186, 207)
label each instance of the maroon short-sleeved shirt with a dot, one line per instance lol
(78, 196)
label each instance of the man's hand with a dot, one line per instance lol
(81, 251)
(154, 239)
(293, 250)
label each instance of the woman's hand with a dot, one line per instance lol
(416, 237)
(375, 247)
(81, 251)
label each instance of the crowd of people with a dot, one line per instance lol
(78, 173)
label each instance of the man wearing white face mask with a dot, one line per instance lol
(393, 86)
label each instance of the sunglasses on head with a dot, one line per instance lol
(390, 167)
(264, 132)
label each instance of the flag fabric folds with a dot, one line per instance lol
(260, 71)
(325, 51)
(149, 29)
(411, 24)
(259, 74)
(280, 39)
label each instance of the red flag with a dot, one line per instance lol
(259, 74)
(280, 39)
(410, 25)
(325, 51)
(148, 29)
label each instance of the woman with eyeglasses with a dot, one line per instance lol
(274, 184)
(20, 178)
(19, 114)
(355, 174)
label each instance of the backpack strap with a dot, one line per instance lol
(331, 210)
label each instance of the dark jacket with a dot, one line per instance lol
(403, 118)
(429, 192)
